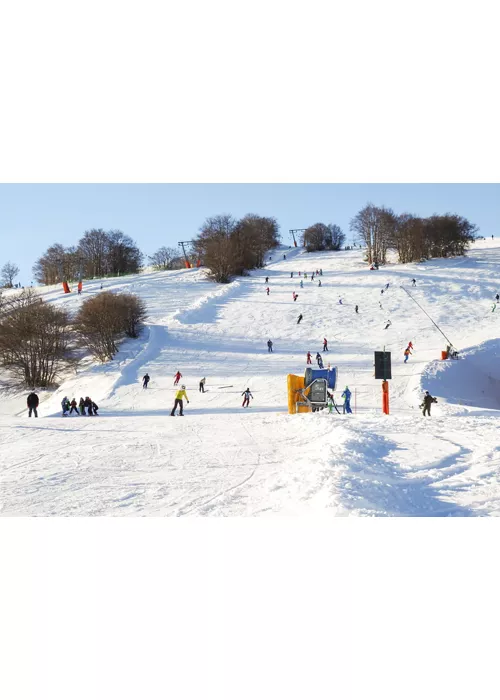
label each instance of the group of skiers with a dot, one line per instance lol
(85, 407)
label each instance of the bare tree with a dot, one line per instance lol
(374, 227)
(163, 258)
(215, 246)
(35, 339)
(9, 272)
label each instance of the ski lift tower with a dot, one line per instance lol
(293, 231)
(182, 244)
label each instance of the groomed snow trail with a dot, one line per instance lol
(220, 459)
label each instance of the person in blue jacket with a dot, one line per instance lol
(346, 395)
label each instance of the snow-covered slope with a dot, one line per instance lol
(221, 459)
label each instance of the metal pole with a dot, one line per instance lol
(425, 312)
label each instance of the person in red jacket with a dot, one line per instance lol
(177, 377)
(267, 290)
(325, 345)
(309, 360)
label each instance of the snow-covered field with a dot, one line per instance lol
(220, 459)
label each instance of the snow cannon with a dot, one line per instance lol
(310, 393)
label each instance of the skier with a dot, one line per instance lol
(32, 402)
(301, 284)
(346, 395)
(497, 297)
(319, 360)
(178, 401)
(267, 290)
(299, 273)
(414, 282)
(145, 381)
(321, 272)
(319, 283)
(177, 378)
(380, 304)
(73, 407)
(325, 345)
(407, 353)
(312, 277)
(80, 287)
(81, 406)
(291, 274)
(381, 291)
(426, 404)
(284, 256)
(295, 296)
(305, 275)
(356, 308)
(266, 280)
(299, 319)
(247, 394)
(387, 285)
(309, 360)
(202, 385)
(340, 300)
(101, 285)
(95, 407)
(494, 307)
(65, 406)
(88, 405)
(269, 345)
(388, 323)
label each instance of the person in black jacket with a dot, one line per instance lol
(426, 405)
(32, 402)
(88, 405)
(145, 381)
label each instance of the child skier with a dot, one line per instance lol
(248, 395)
(179, 402)
(177, 377)
(73, 407)
(319, 360)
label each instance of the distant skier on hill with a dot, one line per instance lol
(426, 403)
(177, 377)
(267, 290)
(319, 283)
(325, 345)
(291, 274)
(387, 285)
(248, 395)
(356, 308)
(321, 272)
(299, 319)
(179, 402)
(388, 323)
(266, 280)
(346, 395)
(202, 385)
(497, 297)
(269, 345)
(284, 256)
(73, 407)
(295, 296)
(414, 282)
(65, 406)
(340, 300)
(145, 381)
(301, 284)
(319, 360)
(309, 360)
(407, 354)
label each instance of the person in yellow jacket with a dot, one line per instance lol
(178, 401)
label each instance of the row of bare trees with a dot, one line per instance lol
(323, 237)
(98, 253)
(230, 247)
(414, 238)
(39, 341)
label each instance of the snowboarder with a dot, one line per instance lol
(325, 345)
(65, 406)
(407, 353)
(301, 284)
(309, 360)
(319, 360)
(299, 319)
(269, 345)
(356, 308)
(247, 394)
(388, 323)
(267, 290)
(81, 406)
(179, 402)
(346, 395)
(414, 282)
(426, 404)
(145, 381)
(319, 283)
(177, 377)
(32, 402)
(202, 385)
(73, 407)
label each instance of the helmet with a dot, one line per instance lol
(183, 387)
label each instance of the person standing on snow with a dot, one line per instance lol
(305, 275)
(177, 377)
(321, 272)
(80, 287)
(414, 282)
(32, 402)
(88, 405)
(267, 290)
(309, 360)
(291, 274)
(319, 283)
(73, 407)
(407, 353)
(248, 395)
(266, 280)
(269, 345)
(356, 308)
(319, 360)
(65, 406)
(202, 385)
(387, 285)
(81, 406)
(346, 395)
(426, 404)
(179, 402)
(284, 256)
(340, 300)
(497, 297)
(325, 345)
(299, 319)
(301, 284)
(145, 381)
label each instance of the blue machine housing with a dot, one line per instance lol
(330, 375)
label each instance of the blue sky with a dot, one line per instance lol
(32, 217)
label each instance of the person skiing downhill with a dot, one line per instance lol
(414, 282)
(145, 381)
(177, 377)
(388, 323)
(309, 359)
(356, 308)
(387, 285)
(407, 353)
(32, 402)
(325, 345)
(295, 296)
(319, 360)
(202, 385)
(426, 404)
(269, 345)
(181, 393)
(291, 274)
(248, 395)
(299, 319)
(346, 395)
(301, 284)
(497, 297)
(340, 300)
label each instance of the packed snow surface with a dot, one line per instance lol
(222, 459)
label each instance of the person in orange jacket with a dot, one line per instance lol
(80, 287)
(407, 354)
